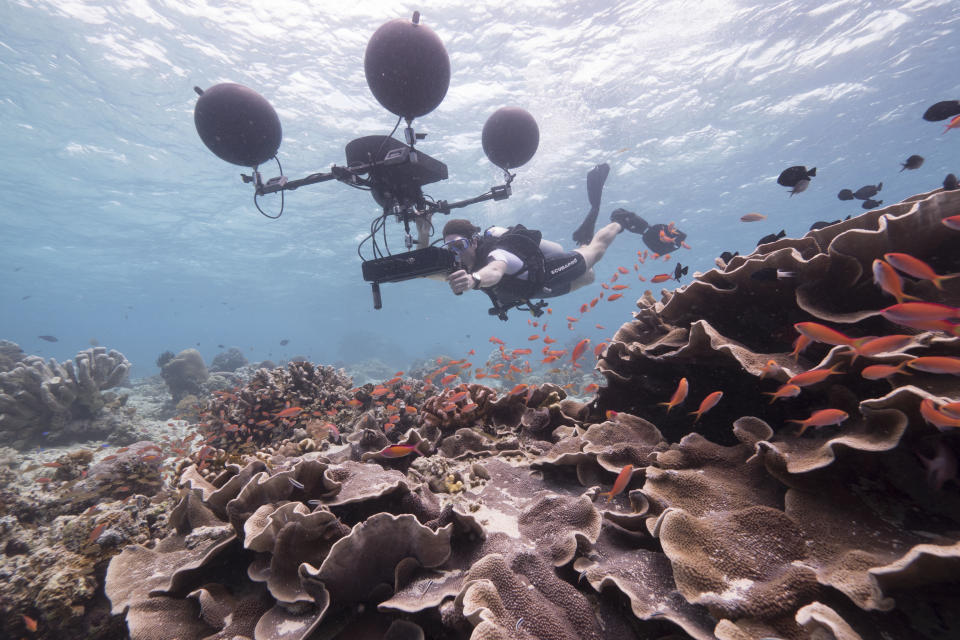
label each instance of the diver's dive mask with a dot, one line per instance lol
(458, 246)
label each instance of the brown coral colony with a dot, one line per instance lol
(811, 493)
(463, 510)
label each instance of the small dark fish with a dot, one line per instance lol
(772, 237)
(871, 204)
(17, 269)
(770, 274)
(845, 194)
(284, 342)
(94, 342)
(913, 162)
(220, 346)
(942, 111)
(679, 272)
(820, 224)
(800, 187)
(26, 297)
(726, 256)
(867, 192)
(950, 182)
(790, 177)
(49, 338)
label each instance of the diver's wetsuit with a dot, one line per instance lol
(523, 277)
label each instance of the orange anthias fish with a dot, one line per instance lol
(953, 222)
(869, 347)
(579, 349)
(623, 478)
(953, 124)
(287, 413)
(932, 414)
(615, 296)
(881, 371)
(917, 268)
(911, 313)
(752, 217)
(496, 340)
(824, 334)
(769, 369)
(708, 403)
(399, 451)
(620, 287)
(785, 391)
(813, 376)
(936, 364)
(623, 270)
(445, 380)
(885, 277)
(590, 388)
(29, 622)
(678, 396)
(660, 277)
(821, 418)
(801, 343)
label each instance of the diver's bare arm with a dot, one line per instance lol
(489, 276)
(491, 273)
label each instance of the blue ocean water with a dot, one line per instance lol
(119, 225)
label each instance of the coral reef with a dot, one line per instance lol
(10, 355)
(45, 396)
(184, 374)
(308, 508)
(229, 360)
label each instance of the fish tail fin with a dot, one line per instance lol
(905, 296)
(938, 281)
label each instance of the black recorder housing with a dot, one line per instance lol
(412, 264)
(404, 266)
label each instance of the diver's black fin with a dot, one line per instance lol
(584, 233)
(595, 179)
(629, 220)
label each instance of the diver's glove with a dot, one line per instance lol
(595, 179)
(629, 220)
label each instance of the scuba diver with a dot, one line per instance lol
(514, 265)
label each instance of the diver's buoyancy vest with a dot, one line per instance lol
(525, 244)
